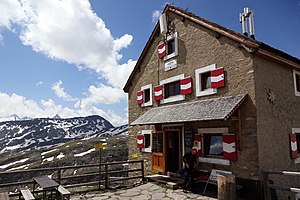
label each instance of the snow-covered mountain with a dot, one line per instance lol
(13, 118)
(19, 135)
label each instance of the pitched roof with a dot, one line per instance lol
(252, 45)
(204, 110)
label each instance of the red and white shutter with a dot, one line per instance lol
(186, 86)
(294, 150)
(217, 78)
(161, 50)
(139, 97)
(158, 92)
(140, 141)
(197, 144)
(229, 147)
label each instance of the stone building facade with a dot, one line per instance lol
(245, 91)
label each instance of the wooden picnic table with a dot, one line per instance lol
(47, 184)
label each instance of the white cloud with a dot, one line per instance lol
(11, 12)
(39, 83)
(60, 92)
(19, 105)
(155, 15)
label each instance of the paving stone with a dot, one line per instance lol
(130, 194)
(159, 195)
(141, 197)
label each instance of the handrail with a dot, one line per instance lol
(104, 174)
(267, 186)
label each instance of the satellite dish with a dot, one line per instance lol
(163, 24)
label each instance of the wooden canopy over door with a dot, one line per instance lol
(158, 151)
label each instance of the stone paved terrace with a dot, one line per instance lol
(142, 192)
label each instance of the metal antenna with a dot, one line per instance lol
(243, 19)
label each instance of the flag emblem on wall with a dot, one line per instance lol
(161, 50)
(217, 78)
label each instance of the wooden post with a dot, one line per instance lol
(106, 176)
(59, 176)
(267, 193)
(143, 172)
(226, 187)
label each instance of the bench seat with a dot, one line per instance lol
(65, 194)
(26, 194)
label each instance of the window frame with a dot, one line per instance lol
(297, 132)
(295, 74)
(175, 53)
(170, 99)
(206, 148)
(198, 73)
(212, 158)
(149, 148)
(150, 102)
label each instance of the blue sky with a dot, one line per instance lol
(72, 57)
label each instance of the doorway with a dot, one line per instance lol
(173, 150)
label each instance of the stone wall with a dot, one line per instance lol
(276, 120)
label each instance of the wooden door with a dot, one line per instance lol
(158, 151)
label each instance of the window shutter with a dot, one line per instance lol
(158, 93)
(161, 50)
(197, 144)
(229, 147)
(139, 97)
(140, 141)
(294, 150)
(186, 86)
(217, 78)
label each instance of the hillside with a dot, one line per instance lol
(43, 133)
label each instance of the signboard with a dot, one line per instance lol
(100, 146)
(170, 65)
(214, 174)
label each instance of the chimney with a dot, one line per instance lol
(247, 14)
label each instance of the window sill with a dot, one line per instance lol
(206, 92)
(146, 104)
(297, 160)
(146, 150)
(173, 99)
(217, 161)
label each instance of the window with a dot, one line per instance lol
(147, 140)
(147, 95)
(172, 46)
(157, 140)
(203, 81)
(171, 89)
(295, 144)
(213, 144)
(216, 148)
(296, 82)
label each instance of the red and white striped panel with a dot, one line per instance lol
(197, 144)
(158, 92)
(139, 97)
(229, 147)
(186, 86)
(217, 78)
(140, 141)
(161, 50)
(294, 150)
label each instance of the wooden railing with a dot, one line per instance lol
(102, 179)
(267, 186)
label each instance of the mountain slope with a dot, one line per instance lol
(16, 136)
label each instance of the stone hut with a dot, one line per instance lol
(233, 100)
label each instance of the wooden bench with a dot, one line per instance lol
(65, 194)
(27, 195)
(4, 196)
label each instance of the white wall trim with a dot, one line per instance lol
(295, 130)
(150, 103)
(175, 36)
(214, 161)
(297, 93)
(223, 130)
(149, 149)
(198, 72)
(173, 98)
